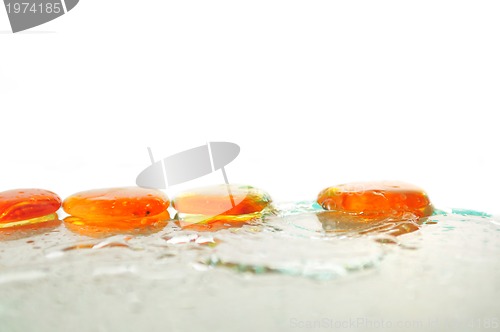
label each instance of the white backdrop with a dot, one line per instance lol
(316, 93)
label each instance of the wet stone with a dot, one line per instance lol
(103, 212)
(27, 206)
(220, 206)
(376, 200)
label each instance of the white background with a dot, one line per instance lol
(316, 93)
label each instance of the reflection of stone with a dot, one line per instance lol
(376, 200)
(212, 224)
(103, 227)
(31, 229)
(337, 222)
(333, 221)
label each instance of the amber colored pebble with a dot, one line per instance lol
(25, 204)
(102, 226)
(111, 203)
(231, 200)
(376, 199)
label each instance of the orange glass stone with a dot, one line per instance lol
(128, 202)
(22, 206)
(230, 200)
(222, 206)
(103, 212)
(376, 200)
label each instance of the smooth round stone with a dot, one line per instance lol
(230, 200)
(376, 199)
(120, 203)
(27, 205)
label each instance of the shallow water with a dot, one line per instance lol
(288, 272)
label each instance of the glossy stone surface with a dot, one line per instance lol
(376, 200)
(116, 203)
(27, 206)
(231, 200)
(221, 206)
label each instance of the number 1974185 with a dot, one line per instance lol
(33, 8)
